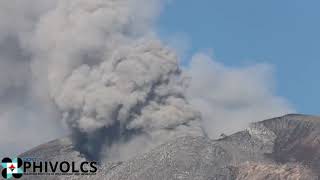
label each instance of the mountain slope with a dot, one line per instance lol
(287, 147)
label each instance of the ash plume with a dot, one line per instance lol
(96, 69)
(111, 79)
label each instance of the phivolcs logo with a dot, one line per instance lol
(34, 167)
(11, 168)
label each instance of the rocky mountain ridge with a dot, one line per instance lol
(286, 147)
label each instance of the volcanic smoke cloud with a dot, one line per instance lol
(99, 66)
(113, 82)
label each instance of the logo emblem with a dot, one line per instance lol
(11, 168)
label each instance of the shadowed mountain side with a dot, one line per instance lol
(281, 148)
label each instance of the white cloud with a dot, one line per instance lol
(231, 97)
(26, 114)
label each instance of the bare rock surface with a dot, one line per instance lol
(286, 147)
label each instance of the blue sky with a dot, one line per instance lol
(283, 33)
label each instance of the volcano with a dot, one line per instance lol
(286, 147)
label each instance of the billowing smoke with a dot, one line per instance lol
(98, 66)
(111, 79)
(229, 98)
(27, 114)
